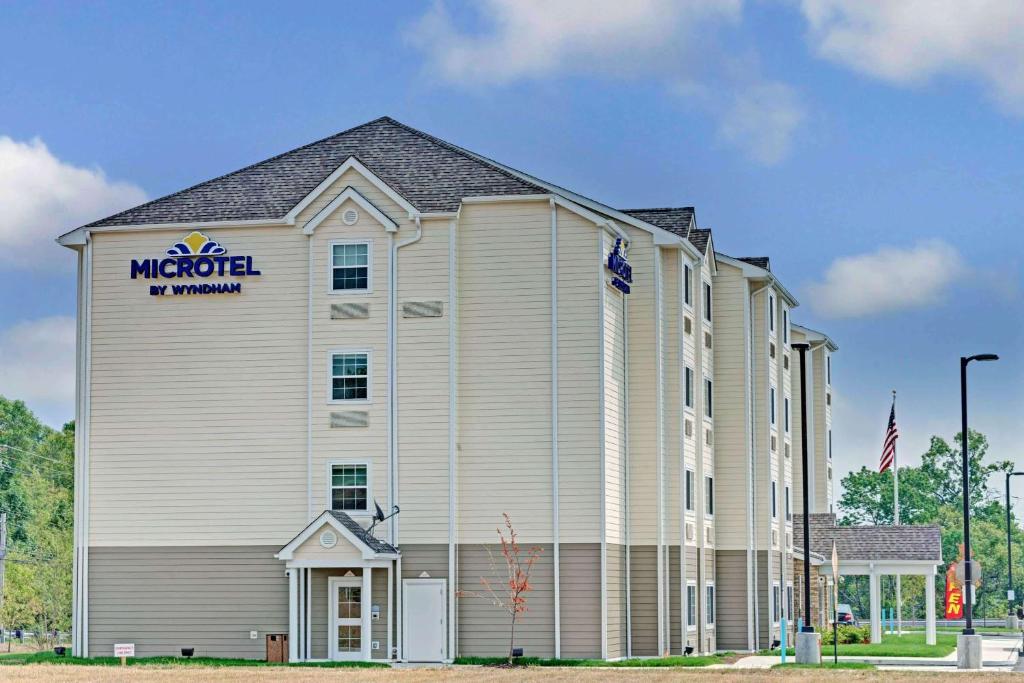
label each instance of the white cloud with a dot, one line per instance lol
(42, 196)
(912, 41)
(890, 279)
(37, 365)
(668, 41)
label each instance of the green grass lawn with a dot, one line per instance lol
(49, 657)
(826, 665)
(907, 645)
(705, 660)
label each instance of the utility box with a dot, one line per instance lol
(277, 647)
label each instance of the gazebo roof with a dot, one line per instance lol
(871, 543)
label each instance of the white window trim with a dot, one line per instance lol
(709, 614)
(775, 500)
(787, 407)
(690, 511)
(330, 379)
(708, 305)
(776, 606)
(693, 389)
(771, 315)
(773, 398)
(704, 495)
(696, 610)
(785, 326)
(369, 511)
(369, 269)
(787, 503)
(708, 383)
(688, 306)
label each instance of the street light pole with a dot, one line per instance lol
(964, 468)
(803, 348)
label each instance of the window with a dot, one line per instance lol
(771, 313)
(707, 301)
(785, 410)
(830, 443)
(707, 398)
(691, 606)
(689, 490)
(774, 514)
(785, 326)
(789, 510)
(771, 404)
(828, 369)
(350, 486)
(776, 602)
(709, 495)
(709, 605)
(350, 376)
(789, 601)
(687, 285)
(689, 387)
(350, 267)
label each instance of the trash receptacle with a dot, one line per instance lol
(277, 647)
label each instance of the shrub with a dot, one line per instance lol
(848, 635)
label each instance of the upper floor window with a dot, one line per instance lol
(350, 376)
(689, 387)
(687, 285)
(774, 504)
(785, 326)
(707, 301)
(689, 490)
(771, 313)
(707, 398)
(785, 421)
(350, 267)
(828, 369)
(789, 510)
(830, 444)
(709, 495)
(350, 487)
(771, 404)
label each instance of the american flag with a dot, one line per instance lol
(889, 448)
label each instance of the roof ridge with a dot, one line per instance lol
(102, 221)
(472, 156)
(661, 208)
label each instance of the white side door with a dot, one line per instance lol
(424, 620)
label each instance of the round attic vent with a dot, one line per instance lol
(350, 216)
(328, 539)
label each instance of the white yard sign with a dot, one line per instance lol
(124, 650)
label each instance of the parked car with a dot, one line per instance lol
(846, 617)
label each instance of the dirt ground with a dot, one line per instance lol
(51, 673)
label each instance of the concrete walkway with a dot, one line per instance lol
(996, 653)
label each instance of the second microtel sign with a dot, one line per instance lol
(618, 265)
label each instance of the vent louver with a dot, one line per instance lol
(349, 311)
(422, 309)
(350, 418)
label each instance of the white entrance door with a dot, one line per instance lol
(424, 620)
(349, 617)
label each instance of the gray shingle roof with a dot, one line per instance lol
(431, 174)
(375, 544)
(759, 261)
(870, 542)
(677, 220)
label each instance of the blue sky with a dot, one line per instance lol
(873, 151)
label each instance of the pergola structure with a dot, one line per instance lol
(877, 551)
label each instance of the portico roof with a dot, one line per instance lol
(370, 546)
(917, 543)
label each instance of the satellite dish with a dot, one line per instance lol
(379, 515)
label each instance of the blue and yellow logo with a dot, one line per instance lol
(196, 244)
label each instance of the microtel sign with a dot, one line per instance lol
(620, 267)
(195, 256)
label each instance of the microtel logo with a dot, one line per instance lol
(618, 264)
(195, 256)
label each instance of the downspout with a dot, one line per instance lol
(76, 604)
(452, 435)
(660, 435)
(309, 382)
(83, 575)
(555, 535)
(682, 455)
(626, 491)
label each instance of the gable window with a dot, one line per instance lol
(687, 285)
(691, 606)
(709, 604)
(350, 487)
(771, 313)
(689, 387)
(785, 406)
(350, 267)
(707, 301)
(350, 375)
(707, 398)
(709, 496)
(689, 490)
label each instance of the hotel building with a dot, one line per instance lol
(384, 319)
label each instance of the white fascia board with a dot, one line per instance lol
(815, 336)
(357, 197)
(755, 273)
(494, 198)
(288, 552)
(710, 256)
(77, 237)
(350, 164)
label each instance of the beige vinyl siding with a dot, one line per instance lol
(504, 370)
(731, 450)
(643, 575)
(616, 592)
(166, 598)
(579, 379)
(615, 435)
(422, 378)
(484, 628)
(580, 586)
(198, 408)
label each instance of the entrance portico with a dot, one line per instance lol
(336, 556)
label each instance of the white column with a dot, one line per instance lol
(876, 610)
(391, 606)
(364, 608)
(929, 609)
(293, 615)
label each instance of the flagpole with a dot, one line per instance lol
(896, 519)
